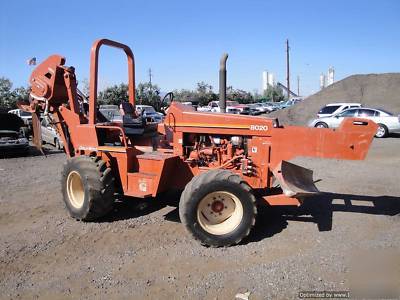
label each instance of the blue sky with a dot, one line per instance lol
(182, 41)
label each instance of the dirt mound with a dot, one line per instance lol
(372, 90)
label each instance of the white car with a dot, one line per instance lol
(387, 122)
(214, 107)
(335, 108)
(50, 135)
(260, 107)
(206, 108)
(148, 111)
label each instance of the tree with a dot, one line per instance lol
(148, 94)
(204, 93)
(274, 93)
(238, 95)
(10, 97)
(84, 86)
(184, 95)
(114, 94)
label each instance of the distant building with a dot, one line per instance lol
(324, 80)
(331, 76)
(268, 79)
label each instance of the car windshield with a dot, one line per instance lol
(329, 109)
(232, 103)
(149, 109)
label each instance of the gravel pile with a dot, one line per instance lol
(372, 90)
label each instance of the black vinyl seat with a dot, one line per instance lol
(135, 125)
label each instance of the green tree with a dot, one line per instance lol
(10, 97)
(148, 94)
(274, 93)
(184, 95)
(114, 94)
(238, 95)
(204, 93)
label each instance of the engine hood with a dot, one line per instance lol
(10, 122)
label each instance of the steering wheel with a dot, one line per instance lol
(163, 105)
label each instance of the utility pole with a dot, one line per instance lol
(287, 69)
(150, 75)
(298, 85)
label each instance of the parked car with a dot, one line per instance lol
(50, 135)
(261, 108)
(255, 110)
(12, 139)
(149, 112)
(335, 108)
(206, 108)
(25, 116)
(387, 122)
(213, 106)
(243, 108)
(270, 106)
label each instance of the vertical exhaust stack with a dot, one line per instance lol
(222, 83)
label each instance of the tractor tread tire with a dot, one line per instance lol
(190, 199)
(98, 184)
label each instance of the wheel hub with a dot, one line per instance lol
(220, 212)
(217, 206)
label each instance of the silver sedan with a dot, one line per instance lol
(387, 122)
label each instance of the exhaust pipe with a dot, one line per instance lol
(222, 83)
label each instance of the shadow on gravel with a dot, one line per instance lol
(128, 208)
(30, 153)
(320, 209)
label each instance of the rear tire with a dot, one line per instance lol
(382, 131)
(321, 125)
(218, 208)
(87, 188)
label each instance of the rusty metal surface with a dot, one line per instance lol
(37, 131)
(294, 180)
(94, 65)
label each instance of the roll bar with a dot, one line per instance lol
(94, 64)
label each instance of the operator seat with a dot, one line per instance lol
(133, 124)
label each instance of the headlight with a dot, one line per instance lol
(22, 140)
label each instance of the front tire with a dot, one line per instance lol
(382, 131)
(218, 208)
(321, 125)
(87, 188)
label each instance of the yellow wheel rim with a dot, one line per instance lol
(220, 212)
(75, 190)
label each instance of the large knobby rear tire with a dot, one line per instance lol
(87, 188)
(218, 208)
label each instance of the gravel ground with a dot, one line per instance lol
(142, 251)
